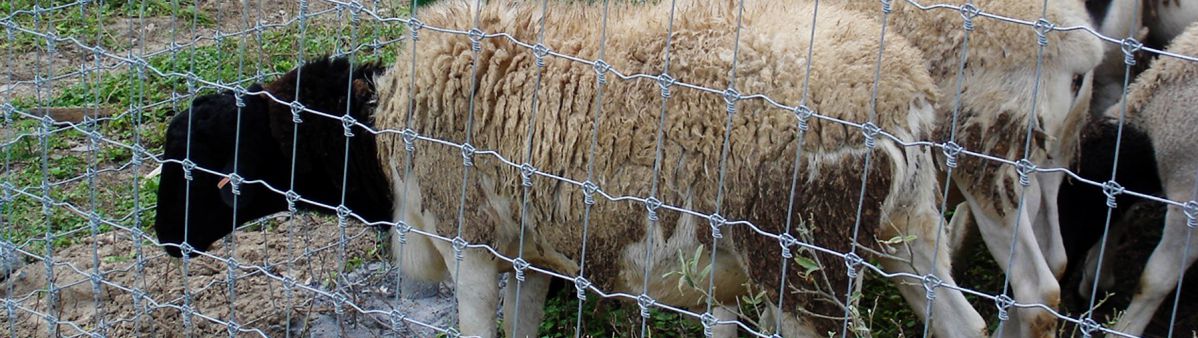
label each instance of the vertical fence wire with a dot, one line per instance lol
(589, 187)
(652, 204)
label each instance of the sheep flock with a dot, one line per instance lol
(688, 155)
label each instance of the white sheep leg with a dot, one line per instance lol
(1031, 279)
(533, 291)
(1048, 226)
(952, 315)
(724, 314)
(477, 292)
(1160, 275)
(958, 227)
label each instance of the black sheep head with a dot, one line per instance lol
(201, 210)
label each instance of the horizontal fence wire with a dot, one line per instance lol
(137, 62)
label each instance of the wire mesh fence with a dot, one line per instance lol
(90, 89)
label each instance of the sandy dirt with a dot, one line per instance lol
(260, 303)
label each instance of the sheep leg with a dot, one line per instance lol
(1048, 226)
(533, 291)
(958, 227)
(477, 292)
(1161, 274)
(952, 315)
(1031, 279)
(1107, 280)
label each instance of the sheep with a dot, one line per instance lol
(200, 210)
(1152, 22)
(899, 199)
(1155, 157)
(995, 110)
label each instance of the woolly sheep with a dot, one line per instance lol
(995, 110)
(899, 200)
(1153, 22)
(1156, 157)
(201, 210)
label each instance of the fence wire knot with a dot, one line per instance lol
(1025, 168)
(526, 173)
(651, 205)
(292, 197)
(452, 333)
(186, 249)
(709, 322)
(1042, 27)
(468, 154)
(968, 12)
(520, 265)
(1089, 326)
(414, 26)
(409, 140)
(188, 166)
(8, 109)
(476, 37)
(234, 328)
(235, 183)
(397, 318)
(347, 123)
(296, 109)
(1111, 189)
(930, 283)
(644, 302)
(588, 192)
(601, 67)
(459, 245)
(871, 131)
(730, 98)
(540, 51)
(580, 286)
(1003, 302)
(886, 4)
(402, 228)
(288, 282)
(1130, 46)
(851, 261)
(1191, 211)
(803, 113)
(238, 99)
(716, 221)
(665, 81)
(951, 150)
(785, 240)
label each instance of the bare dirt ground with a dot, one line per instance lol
(304, 251)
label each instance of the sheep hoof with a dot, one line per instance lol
(412, 288)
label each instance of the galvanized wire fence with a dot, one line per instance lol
(51, 213)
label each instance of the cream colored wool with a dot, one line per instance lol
(900, 198)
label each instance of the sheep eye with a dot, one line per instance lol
(1077, 83)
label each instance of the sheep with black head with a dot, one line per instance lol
(253, 136)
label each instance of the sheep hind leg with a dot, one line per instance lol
(476, 291)
(533, 291)
(1160, 276)
(952, 315)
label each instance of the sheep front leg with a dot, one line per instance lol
(533, 291)
(952, 315)
(1048, 225)
(476, 291)
(1030, 277)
